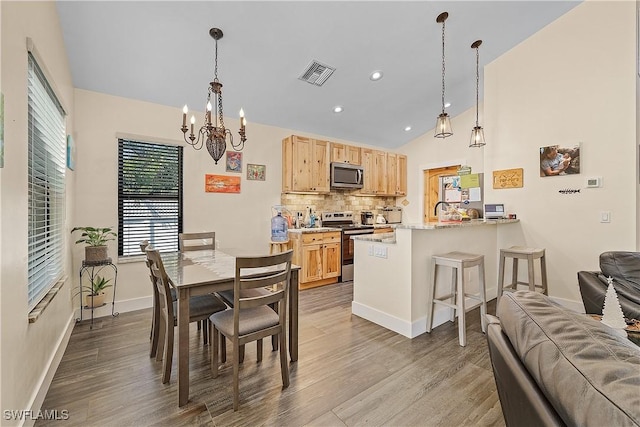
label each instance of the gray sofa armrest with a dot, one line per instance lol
(522, 402)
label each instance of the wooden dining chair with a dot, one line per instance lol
(251, 318)
(200, 308)
(155, 315)
(196, 241)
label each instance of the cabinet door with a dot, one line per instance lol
(319, 175)
(302, 163)
(331, 260)
(338, 152)
(311, 263)
(401, 176)
(353, 155)
(368, 165)
(392, 173)
(381, 172)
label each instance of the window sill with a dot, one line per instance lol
(44, 302)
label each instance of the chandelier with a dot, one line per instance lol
(443, 124)
(213, 134)
(477, 134)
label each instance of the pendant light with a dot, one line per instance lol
(477, 134)
(443, 124)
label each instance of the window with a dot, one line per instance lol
(149, 196)
(46, 185)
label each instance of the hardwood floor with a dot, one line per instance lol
(350, 372)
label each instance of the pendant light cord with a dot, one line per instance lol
(477, 83)
(443, 67)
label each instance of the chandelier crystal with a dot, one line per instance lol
(213, 134)
(477, 134)
(443, 123)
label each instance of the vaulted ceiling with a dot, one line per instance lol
(161, 52)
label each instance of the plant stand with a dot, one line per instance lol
(90, 270)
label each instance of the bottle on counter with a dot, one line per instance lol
(279, 228)
(307, 218)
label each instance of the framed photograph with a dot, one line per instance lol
(557, 160)
(71, 153)
(256, 172)
(221, 184)
(234, 162)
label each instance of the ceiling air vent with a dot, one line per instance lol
(316, 73)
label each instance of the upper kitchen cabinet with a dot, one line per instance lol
(374, 163)
(343, 153)
(396, 174)
(305, 165)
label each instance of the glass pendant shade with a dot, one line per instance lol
(477, 137)
(443, 126)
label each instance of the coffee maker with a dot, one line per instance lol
(367, 218)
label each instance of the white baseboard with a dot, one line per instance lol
(45, 381)
(122, 306)
(418, 326)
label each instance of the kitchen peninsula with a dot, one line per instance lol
(392, 273)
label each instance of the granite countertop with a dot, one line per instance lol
(471, 223)
(313, 230)
(385, 225)
(380, 237)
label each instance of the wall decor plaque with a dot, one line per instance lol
(221, 184)
(508, 178)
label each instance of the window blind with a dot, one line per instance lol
(149, 196)
(46, 185)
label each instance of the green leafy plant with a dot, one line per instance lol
(97, 286)
(93, 236)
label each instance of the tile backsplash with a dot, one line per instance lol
(335, 201)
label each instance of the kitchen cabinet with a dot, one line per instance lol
(380, 230)
(319, 256)
(374, 163)
(396, 174)
(305, 165)
(343, 153)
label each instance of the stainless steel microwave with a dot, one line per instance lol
(345, 175)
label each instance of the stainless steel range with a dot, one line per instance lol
(346, 222)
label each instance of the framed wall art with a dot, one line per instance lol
(234, 162)
(221, 184)
(557, 160)
(71, 153)
(1, 130)
(256, 172)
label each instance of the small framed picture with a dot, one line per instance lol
(556, 160)
(71, 153)
(234, 162)
(256, 172)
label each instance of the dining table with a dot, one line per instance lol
(204, 272)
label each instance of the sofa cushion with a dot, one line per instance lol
(624, 267)
(589, 374)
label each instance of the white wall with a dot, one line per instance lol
(571, 82)
(29, 351)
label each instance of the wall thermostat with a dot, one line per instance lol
(594, 181)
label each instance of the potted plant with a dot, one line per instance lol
(95, 292)
(96, 240)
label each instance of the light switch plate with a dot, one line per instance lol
(605, 216)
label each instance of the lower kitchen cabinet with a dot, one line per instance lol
(319, 255)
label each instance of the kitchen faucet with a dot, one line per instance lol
(435, 208)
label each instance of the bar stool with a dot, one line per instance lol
(278, 247)
(458, 261)
(518, 253)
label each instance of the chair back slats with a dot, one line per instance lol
(281, 263)
(197, 241)
(161, 281)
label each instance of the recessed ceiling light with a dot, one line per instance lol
(447, 105)
(407, 129)
(376, 75)
(337, 109)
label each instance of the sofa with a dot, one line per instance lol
(624, 268)
(555, 367)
